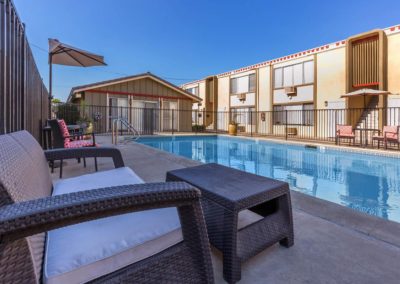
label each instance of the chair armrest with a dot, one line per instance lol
(35, 216)
(390, 132)
(86, 152)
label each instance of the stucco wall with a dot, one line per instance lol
(331, 76)
(393, 63)
(223, 93)
(264, 89)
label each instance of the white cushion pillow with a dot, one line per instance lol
(86, 251)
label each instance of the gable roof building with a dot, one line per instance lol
(146, 101)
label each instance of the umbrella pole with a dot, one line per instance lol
(50, 83)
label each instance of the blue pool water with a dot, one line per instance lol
(363, 182)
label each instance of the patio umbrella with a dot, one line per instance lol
(63, 54)
(364, 93)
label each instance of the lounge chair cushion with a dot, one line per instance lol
(79, 144)
(85, 251)
(391, 132)
(345, 131)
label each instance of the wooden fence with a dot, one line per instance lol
(23, 96)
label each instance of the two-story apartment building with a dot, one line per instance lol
(313, 79)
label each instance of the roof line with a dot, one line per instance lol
(322, 48)
(128, 78)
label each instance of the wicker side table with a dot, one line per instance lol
(226, 192)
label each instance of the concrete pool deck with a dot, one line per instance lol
(333, 244)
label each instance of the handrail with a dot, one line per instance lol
(123, 121)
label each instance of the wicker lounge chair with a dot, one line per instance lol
(142, 240)
(62, 138)
(344, 132)
(390, 134)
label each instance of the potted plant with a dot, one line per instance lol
(232, 128)
(86, 124)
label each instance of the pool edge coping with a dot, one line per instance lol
(375, 227)
(320, 146)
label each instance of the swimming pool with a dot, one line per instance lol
(367, 183)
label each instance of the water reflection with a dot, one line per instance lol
(366, 183)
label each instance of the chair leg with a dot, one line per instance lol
(95, 164)
(84, 162)
(79, 160)
(52, 166)
(61, 168)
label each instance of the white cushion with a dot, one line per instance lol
(86, 251)
(115, 177)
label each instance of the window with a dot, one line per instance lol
(298, 74)
(244, 84)
(252, 83)
(278, 77)
(301, 114)
(308, 114)
(244, 116)
(194, 91)
(279, 116)
(308, 72)
(288, 76)
(294, 75)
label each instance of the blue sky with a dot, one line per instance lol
(182, 40)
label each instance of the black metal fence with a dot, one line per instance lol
(23, 96)
(312, 125)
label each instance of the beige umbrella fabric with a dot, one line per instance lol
(365, 92)
(63, 54)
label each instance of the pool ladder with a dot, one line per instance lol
(123, 122)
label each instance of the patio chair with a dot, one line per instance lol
(344, 132)
(390, 134)
(153, 233)
(62, 138)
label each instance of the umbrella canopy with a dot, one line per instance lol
(63, 54)
(365, 92)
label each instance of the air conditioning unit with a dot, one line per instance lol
(241, 97)
(291, 91)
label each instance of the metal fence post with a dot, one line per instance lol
(120, 122)
(172, 128)
(216, 121)
(336, 126)
(196, 113)
(251, 123)
(286, 124)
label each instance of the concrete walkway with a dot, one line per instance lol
(333, 244)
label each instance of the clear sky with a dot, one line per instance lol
(182, 40)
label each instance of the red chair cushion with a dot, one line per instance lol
(345, 131)
(64, 132)
(79, 144)
(391, 132)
